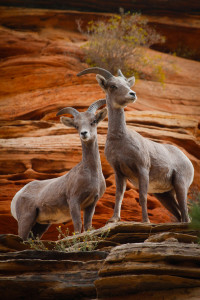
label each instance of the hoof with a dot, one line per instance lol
(113, 220)
(146, 221)
(187, 221)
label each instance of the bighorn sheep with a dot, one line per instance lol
(156, 168)
(42, 203)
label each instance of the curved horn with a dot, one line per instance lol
(119, 72)
(94, 106)
(68, 110)
(106, 74)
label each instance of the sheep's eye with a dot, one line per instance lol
(93, 122)
(113, 87)
(76, 126)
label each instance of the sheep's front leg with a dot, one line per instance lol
(75, 211)
(143, 189)
(88, 214)
(120, 189)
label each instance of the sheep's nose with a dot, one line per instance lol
(132, 94)
(83, 133)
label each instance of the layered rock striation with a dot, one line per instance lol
(137, 260)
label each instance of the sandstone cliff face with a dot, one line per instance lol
(169, 18)
(40, 59)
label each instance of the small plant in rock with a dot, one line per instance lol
(67, 243)
(35, 243)
(112, 43)
(194, 210)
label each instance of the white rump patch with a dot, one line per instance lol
(14, 203)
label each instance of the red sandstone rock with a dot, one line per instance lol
(169, 18)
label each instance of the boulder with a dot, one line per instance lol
(142, 267)
(49, 274)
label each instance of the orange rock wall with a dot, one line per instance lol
(41, 56)
(180, 24)
(149, 7)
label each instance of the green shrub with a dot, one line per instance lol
(194, 210)
(113, 42)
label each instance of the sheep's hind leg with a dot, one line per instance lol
(181, 195)
(39, 229)
(26, 222)
(169, 202)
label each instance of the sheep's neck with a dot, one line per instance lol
(90, 155)
(116, 121)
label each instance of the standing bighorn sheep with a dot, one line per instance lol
(42, 203)
(156, 168)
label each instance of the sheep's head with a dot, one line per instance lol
(85, 122)
(118, 88)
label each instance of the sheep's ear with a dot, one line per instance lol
(131, 81)
(69, 122)
(101, 81)
(101, 115)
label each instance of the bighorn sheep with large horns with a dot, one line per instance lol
(156, 168)
(42, 203)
